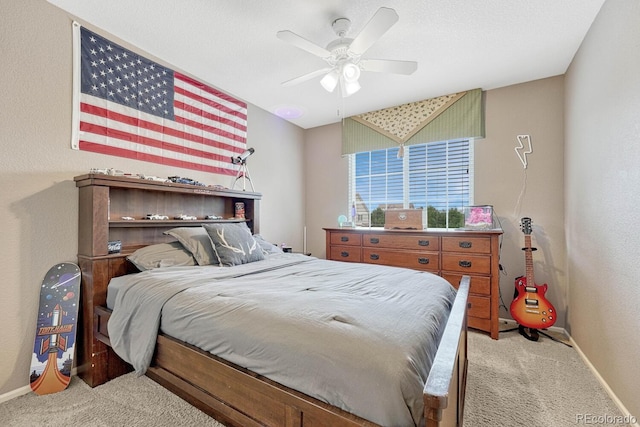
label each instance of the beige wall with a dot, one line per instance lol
(534, 108)
(327, 195)
(603, 197)
(39, 200)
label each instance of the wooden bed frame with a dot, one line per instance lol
(233, 395)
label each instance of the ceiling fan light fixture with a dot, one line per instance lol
(349, 88)
(351, 72)
(344, 55)
(330, 80)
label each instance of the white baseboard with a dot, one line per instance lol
(23, 390)
(619, 404)
(15, 393)
(612, 395)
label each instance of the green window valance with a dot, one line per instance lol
(458, 115)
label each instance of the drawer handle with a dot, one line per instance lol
(423, 243)
(344, 254)
(465, 245)
(374, 257)
(374, 240)
(423, 260)
(465, 264)
(344, 238)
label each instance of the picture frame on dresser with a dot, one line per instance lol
(448, 253)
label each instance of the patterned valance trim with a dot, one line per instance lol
(403, 121)
(463, 118)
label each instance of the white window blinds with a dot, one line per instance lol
(436, 177)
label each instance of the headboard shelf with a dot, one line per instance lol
(106, 199)
(171, 222)
(141, 183)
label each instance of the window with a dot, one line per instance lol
(436, 177)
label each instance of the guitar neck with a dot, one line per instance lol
(528, 258)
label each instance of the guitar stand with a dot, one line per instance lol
(534, 334)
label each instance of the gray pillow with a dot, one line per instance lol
(267, 248)
(196, 240)
(233, 243)
(161, 255)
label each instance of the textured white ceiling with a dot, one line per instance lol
(458, 44)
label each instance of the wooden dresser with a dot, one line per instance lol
(450, 254)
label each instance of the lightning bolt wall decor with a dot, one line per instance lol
(521, 151)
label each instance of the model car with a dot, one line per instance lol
(185, 217)
(156, 217)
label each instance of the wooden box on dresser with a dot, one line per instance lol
(103, 202)
(450, 254)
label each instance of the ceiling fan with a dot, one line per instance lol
(344, 55)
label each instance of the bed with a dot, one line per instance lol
(226, 385)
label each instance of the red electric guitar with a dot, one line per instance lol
(530, 308)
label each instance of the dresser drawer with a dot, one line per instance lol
(408, 259)
(479, 307)
(345, 253)
(466, 263)
(476, 245)
(346, 239)
(404, 242)
(480, 285)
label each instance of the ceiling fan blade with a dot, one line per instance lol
(379, 24)
(303, 43)
(388, 66)
(305, 77)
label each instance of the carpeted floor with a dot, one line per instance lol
(515, 382)
(512, 382)
(125, 401)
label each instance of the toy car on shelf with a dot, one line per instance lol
(180, 180)
(153, 178)
(213, 217)
(186, 217)
(156, 217)
(107, 171)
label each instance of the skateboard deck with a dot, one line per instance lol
(53, 349)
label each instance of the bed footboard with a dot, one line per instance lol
(445, 389)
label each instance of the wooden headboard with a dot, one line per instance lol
(103, 202)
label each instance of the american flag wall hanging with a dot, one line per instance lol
(129, 106)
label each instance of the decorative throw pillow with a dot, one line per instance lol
(267, 248)
(196, 240)
(233, 243)
(161, 255)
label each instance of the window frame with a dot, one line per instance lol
(406, 202)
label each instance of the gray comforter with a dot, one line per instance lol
(360, 337)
